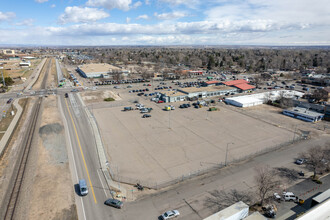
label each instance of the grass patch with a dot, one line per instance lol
(109, 99)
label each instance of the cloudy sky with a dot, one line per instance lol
(165, 22)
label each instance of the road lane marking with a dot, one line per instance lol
(74, 161)
(106, 195)
(82, 154)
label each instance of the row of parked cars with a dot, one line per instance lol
(138, 90)
(112, 82)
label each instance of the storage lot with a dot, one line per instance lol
(175, 143)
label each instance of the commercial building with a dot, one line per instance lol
(241, 84)
(237, 211)
(99, 70)
(260, 98)
(303, 114)
(25, 63)
(244, 101)
(8, 52)
(194, 93)
(173, 96)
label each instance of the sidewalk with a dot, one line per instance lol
(11, 128)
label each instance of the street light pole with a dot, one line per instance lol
(227, 153)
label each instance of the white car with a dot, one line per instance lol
(170, 214)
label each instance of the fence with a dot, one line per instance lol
(161, 184)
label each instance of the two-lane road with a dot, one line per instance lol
(84, 162)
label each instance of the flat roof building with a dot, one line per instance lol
(97, 70)
(303, 114)
(260, 98)
(192, 93)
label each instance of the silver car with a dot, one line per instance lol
(170, 214)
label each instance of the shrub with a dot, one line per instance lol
(109, 99)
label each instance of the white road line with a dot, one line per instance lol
(74, 162)
(106, 195)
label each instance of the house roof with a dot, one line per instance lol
(244, 86)
(212, 82)
(235, 82)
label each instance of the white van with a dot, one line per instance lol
(83, 187)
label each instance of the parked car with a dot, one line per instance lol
(114, 203)
(160, 101)
(128, 108)
(144, 110)
(300, 161)
(146, 116)
(170, 214)
(9, 101)
(289, 196)
(74, 90)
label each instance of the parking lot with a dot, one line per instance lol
(174, 143)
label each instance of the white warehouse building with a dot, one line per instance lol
(260, 98)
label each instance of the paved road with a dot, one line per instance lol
(188, 196)
(84, 162)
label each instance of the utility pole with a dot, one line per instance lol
(169, 119)
(227, 153)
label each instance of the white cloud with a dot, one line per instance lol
(41, 1)
(6, 16)
(188, 3)
(147, 2)
(111, 4)
(137, 4)
(53, 6)
(169, 16)
(79, 14)
(282, 13)
(142, 17)
(128, 20)
(26, 22)
(161, 34)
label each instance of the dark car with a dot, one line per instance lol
(114, 203)
(141, 93)
(146, 116)
(66, 95)
(9, 101)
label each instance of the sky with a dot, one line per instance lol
(165, 22)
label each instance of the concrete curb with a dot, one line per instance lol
(100, 150)
(4, 140)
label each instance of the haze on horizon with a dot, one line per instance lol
(165, 22)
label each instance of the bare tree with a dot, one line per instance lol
(317, 158)
(320, 95)
(221, 199)
(266, 182)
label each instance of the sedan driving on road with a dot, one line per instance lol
(114, 203)
(170, 214)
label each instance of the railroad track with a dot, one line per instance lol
(27, 144)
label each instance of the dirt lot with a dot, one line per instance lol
(13, 69)
(98, 96)
(171, 144)
(52, 198)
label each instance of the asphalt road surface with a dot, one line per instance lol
(84, 162)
